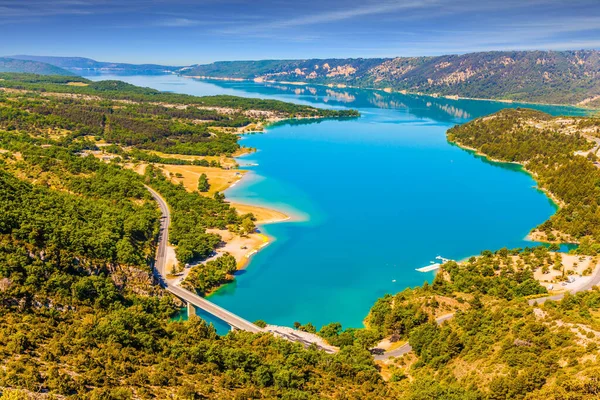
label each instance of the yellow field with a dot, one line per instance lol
(77, 84)
(225, 161)
(219, 179)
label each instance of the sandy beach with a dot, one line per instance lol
(241, 247)
(220, 179)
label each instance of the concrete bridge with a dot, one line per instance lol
(190, 298)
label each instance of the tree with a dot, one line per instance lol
(367, 338)
(203, 184)
(248, 226)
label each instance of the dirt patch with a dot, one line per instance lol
(242, 248)
(577, 267)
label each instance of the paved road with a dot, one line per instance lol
(406, 348)
(186, 295)
(295, 336)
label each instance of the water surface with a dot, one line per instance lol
(378, 197)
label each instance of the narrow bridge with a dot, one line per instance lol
(230, 318)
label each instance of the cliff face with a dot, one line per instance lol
(568, 77)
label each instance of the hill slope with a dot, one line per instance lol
(78, 64)
(567, 77)
(33, 67)
(80, 314)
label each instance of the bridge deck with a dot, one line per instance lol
(183, 294)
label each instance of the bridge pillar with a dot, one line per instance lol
(191, 310)
(233, 328)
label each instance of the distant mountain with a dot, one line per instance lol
(81, 64)
(34, 67)
(566, 77)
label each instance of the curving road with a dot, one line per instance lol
(406, 348)
(189, 297)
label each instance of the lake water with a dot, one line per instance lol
(376, 197)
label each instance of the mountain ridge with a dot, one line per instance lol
(565, 77)
(538, 76)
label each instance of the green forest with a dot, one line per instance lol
(126, 115)
(80, 314)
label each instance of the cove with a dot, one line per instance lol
(376, 197)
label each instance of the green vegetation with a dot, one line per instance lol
(203, 184)
(144, 156)
(496, 346)
(127, 115)
(214, 273)
(546, 148)
(503, 350)
(192, 215)
(117, 90)
(32, 67)
(80, 316)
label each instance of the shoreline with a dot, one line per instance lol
(531, 236)
(555, 200)
(390, 91)
(265, 214)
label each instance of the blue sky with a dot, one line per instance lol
(182, 32)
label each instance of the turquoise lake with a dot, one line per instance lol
(376, 197)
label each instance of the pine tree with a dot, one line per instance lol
(203, 184)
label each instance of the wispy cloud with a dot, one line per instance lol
(178, 22)
(350, 13)
(331, 16)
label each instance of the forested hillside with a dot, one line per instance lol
(32, 67)
(496, 346)
(80, 314)
(87, 65)
(566, 77)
